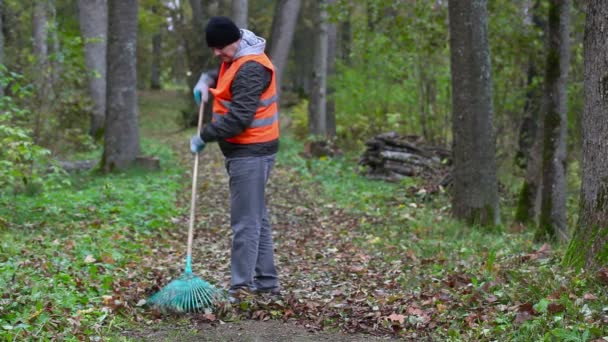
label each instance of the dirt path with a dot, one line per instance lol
(333, 290)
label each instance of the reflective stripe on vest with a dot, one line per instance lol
(263, 103)
(265, 124)
(256, 122)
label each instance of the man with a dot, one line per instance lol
(245, 124)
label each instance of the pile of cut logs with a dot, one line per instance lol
(391, 157)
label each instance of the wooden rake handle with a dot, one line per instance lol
(193, 198)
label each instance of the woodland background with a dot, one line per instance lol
(94, 93)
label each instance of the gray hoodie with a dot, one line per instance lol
(250, 82)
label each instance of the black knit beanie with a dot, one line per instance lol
(221, 31)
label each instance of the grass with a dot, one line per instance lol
(67, 253)
(63, 253)
(500, 267)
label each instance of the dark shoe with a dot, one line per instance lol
(273, 291)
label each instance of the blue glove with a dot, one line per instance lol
(201, 89)
(196, 144)
(197, 96)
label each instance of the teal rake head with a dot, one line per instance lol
(187, 293)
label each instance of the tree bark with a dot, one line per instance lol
(283, 29)
(475, 186)
(552, 221)
(1, 42)
(55, 64)
(40, 31)
(198, 17)
(332, 47)
(156, 58)
(589, 245)
(239, 13)
(317, 109)
(121, 145)
(93, 17)
(531, 135)
(40, 50)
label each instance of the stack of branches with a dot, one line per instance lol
(392, 157)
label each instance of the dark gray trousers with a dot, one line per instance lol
(252, 256)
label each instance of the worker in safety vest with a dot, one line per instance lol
(245, 123)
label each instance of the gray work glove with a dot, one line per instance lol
(196, 144)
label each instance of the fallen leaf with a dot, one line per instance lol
(602, 275)
(554, 308)
(107, 259)
(89, 259)
(396, 318)
(589, 296)
(522, 317)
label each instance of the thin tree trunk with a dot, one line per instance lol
(93, 17)
(55, 47)
(283, 29)
(317, 109)
(40, 50)
(589, 245)
(40, 31)
(475, 186)
(198, 18)
(239, 13)
(346, 38)
(531, 135)
(1, 42)
(156, 58)
(332, 46)
(121, 145)
(552, 221)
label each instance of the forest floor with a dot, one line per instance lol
(358, 260)
(400, 268)
(324, 276)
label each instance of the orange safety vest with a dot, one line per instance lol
(265, 124)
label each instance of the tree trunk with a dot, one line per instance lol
(93, 17)
(332, 46)
(198, 56)
(283, 28)
(552, 221)
(475, 187)
(55, 46)
(121, 145)
(531, 135)
(239, 13)
(40, 50)
(346, 37)
(198, 18)
(1, 42)
(317, 109)
(156, 58)
(40, 31)
(589, 245)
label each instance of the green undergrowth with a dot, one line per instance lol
(64, 253)
(484, 283)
